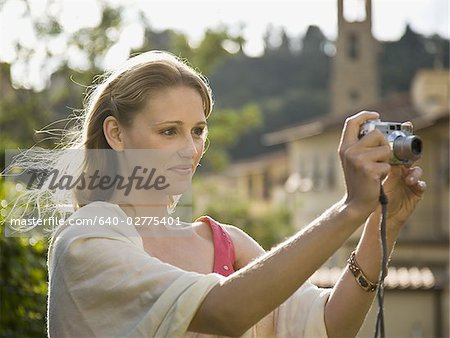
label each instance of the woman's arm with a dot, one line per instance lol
(251, 293)
(343, 317)
(247, 296)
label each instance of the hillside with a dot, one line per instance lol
(292, 86)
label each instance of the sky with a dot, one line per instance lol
(193, 17)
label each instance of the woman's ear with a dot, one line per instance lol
(113, 133)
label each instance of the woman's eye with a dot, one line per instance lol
(169, 132)
(199, 131)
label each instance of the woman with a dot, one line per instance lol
(130, 279)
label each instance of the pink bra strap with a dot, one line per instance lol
(223, 247)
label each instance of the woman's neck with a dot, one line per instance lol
(144, 211)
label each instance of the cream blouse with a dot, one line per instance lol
(102, 283)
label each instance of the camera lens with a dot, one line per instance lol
(407, 148)
(416, 146)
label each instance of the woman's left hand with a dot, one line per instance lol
(404, 189)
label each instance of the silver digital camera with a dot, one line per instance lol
(406, 147)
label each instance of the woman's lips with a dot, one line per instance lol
(183, 169)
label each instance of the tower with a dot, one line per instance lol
(355, 68)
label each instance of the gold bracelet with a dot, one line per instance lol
(360, 277)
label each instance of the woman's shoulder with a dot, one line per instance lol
(96, 219)
(246, 248)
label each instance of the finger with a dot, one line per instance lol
(419, 188)
(373, 139)
(413, 175)
(352, 125)
(410, 176)
(375, 154)
(381, 170)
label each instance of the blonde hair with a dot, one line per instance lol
(121, 93)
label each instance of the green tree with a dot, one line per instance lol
(400, 60)
(268, 227)
(23, 285)
(226, 126)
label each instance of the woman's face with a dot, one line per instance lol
(173, 125)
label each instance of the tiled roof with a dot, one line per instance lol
(411, 278)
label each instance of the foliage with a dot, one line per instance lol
(267, 225)
(205, 58)
(93, 41)
(19, 120)
(23, 286)
(226, 126)
(289, 86)
(400, 60)
(292, 86)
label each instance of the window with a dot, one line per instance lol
(445, 165)
(250, 185)
(354, 96)
(316, 174)
(267, 186)
(353, 46)
(331, 172)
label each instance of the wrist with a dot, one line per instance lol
(354, 212)
(393, 226)
(364, 282)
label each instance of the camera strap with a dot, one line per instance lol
(379, 328)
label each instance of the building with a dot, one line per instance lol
(355, 70)
(307, 176)
(317, 183)
(417, 295)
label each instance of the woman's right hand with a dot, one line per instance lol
(365, 162)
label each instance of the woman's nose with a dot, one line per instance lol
(188, 149)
